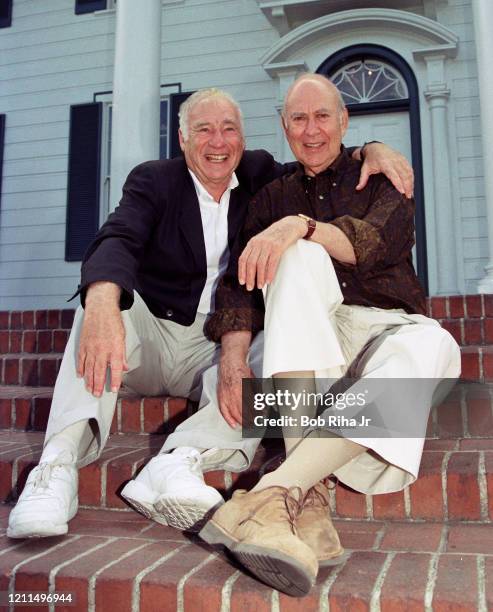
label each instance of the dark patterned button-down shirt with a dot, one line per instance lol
(378, 221)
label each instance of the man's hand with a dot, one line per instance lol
(232, 369)
(261, 255)
(102, 340)
(229, 394)
(379, 158)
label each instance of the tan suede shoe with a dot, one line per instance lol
(315, 526)
(259, 530)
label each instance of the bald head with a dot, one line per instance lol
(315, 120)
(311, 77)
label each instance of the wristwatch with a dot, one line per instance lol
(311, 225)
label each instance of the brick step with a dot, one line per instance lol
(438, 307)
(34, 369)
(117, 560)
(36, 319)
(33, 341)
(459, 306)
(456, 479)
(28, 408)
(466, 413)
(477, 363)
(466, 332)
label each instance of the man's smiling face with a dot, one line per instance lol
(315, 124)
(215, 143)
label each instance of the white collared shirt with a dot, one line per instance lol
(215, 227)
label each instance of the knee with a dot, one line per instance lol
(435, 345)
(304, 259)
(303, 252)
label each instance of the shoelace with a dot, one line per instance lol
(314, 495)
(194, 461)
(45, 470)
(290, 504)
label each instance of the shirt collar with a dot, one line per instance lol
(202, 191)
(336, 167)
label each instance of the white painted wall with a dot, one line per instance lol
(51, 58)
(457, 15)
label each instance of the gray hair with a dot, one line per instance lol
(319, 78)
(199, 96)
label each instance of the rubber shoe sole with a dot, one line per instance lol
(336, 560)
(42, 529)
(141, 498)
(185, 514)
(271, 566)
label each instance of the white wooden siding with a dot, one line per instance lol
(51, 58)
(464, 110)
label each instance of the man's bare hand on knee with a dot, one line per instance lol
(233, 369)
(102, 341)
(261, 255)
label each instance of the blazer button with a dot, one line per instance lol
(169, 313)
(344, 284)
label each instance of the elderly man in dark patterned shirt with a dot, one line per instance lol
(341, 297)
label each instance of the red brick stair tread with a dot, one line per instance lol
(455, 483)
(467, 413)
(116, 559)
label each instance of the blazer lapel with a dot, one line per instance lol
(236, 213)
(191, 222)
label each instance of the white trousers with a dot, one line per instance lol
(308, 328)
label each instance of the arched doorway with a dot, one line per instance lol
(381, 94)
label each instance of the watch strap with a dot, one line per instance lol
(311, 225)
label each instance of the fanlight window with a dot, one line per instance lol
(369, 81)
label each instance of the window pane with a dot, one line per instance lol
(89, 6)
(5, 13)
(163, 130)
(370, 81)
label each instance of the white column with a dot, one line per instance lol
(483, 20)
(442, 190)
(444, 208)
(136, 81)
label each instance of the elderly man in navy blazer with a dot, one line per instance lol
(147, 288)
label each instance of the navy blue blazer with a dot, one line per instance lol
(153, 242)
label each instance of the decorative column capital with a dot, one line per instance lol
(435, 59)
(286, 73)
(437, 96)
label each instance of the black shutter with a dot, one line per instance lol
(175, 100)
(89, 6)
(84, 168)
(5, 13)
(2, 134)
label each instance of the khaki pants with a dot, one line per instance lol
(327, 336)
(164, 358)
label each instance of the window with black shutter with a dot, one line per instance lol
(175, 100)
(84, 168)
(89, 6)
(5, 13)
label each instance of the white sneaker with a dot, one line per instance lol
(171, 490)
(49, 500)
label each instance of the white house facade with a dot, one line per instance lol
(90, 88)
